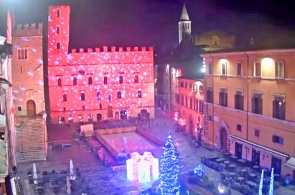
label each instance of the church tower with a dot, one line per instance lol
(184, 26)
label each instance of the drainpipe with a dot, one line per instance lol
(247, 114)
(213, 133)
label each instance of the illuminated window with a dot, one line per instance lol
(223, 68)
(64, 97)
(80, 117)
(59, 81)
(90, 81)
(58, 46)
(120, 79)
(98, 96)
(22, 54)
(82, 96)
(239, 69)
(110, 97)
(223, 97)
(75, 81)
(279, 107)
(105, 80)
(61, 119)
(280, 69)
(119, 95)
(139, 94)
(135, 79)
(257, 69)
(57, 30)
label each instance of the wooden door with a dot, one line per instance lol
(31, 108)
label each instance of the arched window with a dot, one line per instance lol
(100, 106)
(82, 96)
(119, 95)
(139, 94)
(75, 81)
(110, 97)
(136, 79)
(120, 79)
(98, 96)
(105, 80)
(90, 81)
(59, 81)
(64, 97)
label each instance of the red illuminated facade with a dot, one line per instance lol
(96, 84)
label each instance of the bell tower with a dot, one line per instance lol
(58, 29)
(184, 26)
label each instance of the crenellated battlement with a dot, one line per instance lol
(32, 29)
(111, 49)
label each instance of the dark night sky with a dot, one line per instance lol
(95, 23)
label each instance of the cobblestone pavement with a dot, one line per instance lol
(103, 181)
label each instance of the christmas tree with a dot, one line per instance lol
(169, 169)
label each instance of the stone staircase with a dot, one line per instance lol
(30, 136)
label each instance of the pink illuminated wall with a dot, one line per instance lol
(95, 83)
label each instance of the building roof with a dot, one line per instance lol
(3, 160)
(184, 14)
(249, 50)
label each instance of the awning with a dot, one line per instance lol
(291, 163)
(259, 146)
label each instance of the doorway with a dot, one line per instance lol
(276, 164)
(123, 114)
(31, 108)
(223, 139)
(255, 157)
(110, 112)
(98, 117)
(238, 150)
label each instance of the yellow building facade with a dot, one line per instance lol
(189, 103)
(249, 106)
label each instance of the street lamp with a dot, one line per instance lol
(4, 84)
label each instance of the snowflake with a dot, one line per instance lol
(30, 73)
(40, 61)
(40, 82)
(34, 50)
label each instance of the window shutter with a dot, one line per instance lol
(242, 102)
(220, 98)
(236, 101)
(274, 139)
(225, 99)
(253, 104)
(260, 105)
(276, 69)
(283, 112)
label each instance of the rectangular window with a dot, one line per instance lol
(139, 95)
(223, 68)
(57, 30)
(210, 118)
(19, 108)
(239, 69)
(210, 95)
(256, 133)
(201, 106)
(223, 97)
(186, 102)
(191, 103)
(196, 105)
(257, 104)
(210, 69)
(181, 84)
(82, 96)
(278, 140)
(22, 54)
(279, 108)
(280, 69)
(239, 100)
(239, 127)
(257, 69)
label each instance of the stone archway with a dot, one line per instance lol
(223, 141)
